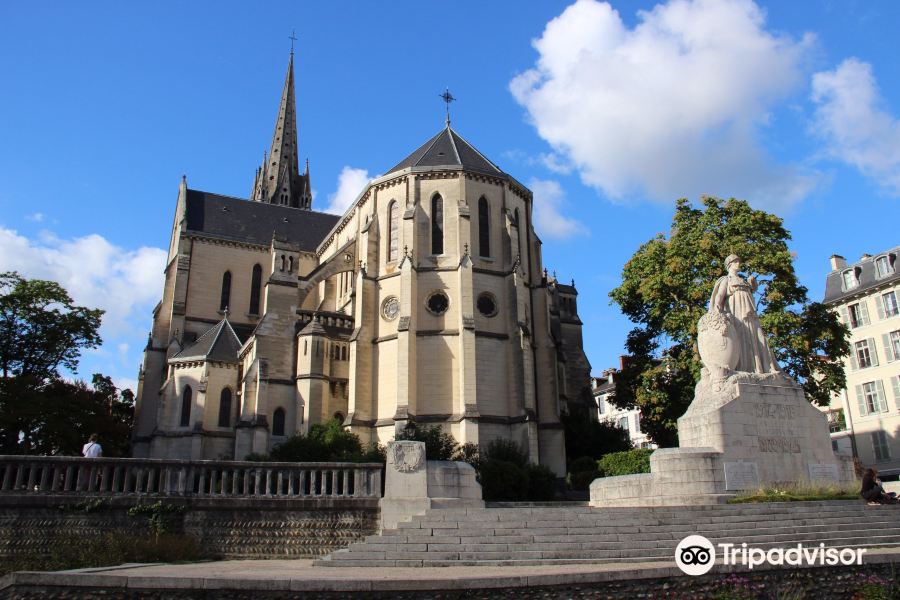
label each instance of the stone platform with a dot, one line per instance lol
(742, 433)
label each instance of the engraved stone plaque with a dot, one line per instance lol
(741, 476)
(826, 472)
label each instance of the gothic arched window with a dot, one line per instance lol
(278, 422)
(437, 225)
(518, 232)
(255, 283)
(225, 298)
(225, 408)
(484, 228)
(394, 231)
(186, 406)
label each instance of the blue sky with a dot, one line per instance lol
(609, 112)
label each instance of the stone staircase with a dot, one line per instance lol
(547, 534)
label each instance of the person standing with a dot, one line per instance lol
(92, 449)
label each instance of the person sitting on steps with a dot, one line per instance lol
(872, 491)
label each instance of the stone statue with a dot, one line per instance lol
(729, 336)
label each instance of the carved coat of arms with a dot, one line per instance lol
(407, 457)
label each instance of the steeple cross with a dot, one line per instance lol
(448, 98)
(293, 39)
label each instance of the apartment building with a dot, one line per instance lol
(866, 415)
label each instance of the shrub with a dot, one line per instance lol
(506, 475)
(585, 437)
(541, 482)
(507, 451)
(471, 454)
(326, 442)
(582, 471)
(503, 480)
(626, 463)
(582, 479)
(438, 445)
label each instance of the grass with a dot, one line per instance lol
(803, 492)
(70, 552)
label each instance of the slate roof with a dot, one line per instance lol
(219, 343)
(448, 149)
(866, 275)
(254, 222)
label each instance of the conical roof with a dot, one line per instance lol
(448, 149)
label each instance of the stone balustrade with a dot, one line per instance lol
(203, 478)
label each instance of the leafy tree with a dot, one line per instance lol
(41, 330)
(41, 333)
(665, 290)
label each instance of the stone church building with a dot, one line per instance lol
(425, 302)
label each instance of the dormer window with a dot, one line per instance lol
(850, 280)
(884, 266)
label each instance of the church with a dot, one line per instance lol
(425, 302)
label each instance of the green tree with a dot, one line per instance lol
(665, 290)
(42, 332)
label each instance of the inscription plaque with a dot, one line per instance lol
(741, 476)
(825, 471)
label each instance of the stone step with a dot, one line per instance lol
(666, 511)
(636, 517)
(663, 548)
(446, 526)
(616, 540)
(775, 508)
(531, 534)
(531, 558)
(613, 532)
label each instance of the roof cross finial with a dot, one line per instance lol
(293, 39)
(448, 98)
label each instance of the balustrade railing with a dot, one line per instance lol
(204, 478)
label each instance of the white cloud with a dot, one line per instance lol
(851, 119)
(35, 217)
(548, 220)
(671, 107)
(349, 185)
(97, 274)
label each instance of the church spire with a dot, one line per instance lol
(279, 180)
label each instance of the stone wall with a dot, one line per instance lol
(226, 527)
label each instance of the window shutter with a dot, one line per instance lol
(861, 398)
(863, 312)
(872, 352)
(895, 382)
(888, 348)
(879, 302)
(854, 365)
(845, 315)
(882, 397)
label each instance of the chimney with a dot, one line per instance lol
(838, 262)
(865, 256)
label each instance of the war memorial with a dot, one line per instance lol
(328, 530)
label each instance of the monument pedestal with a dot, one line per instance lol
(413, 484)
(740, 433)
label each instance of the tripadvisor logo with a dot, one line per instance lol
(696, 555)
